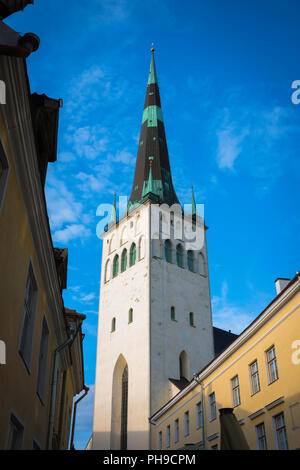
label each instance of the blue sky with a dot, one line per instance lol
(225, 70)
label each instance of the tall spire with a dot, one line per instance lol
(153, 147)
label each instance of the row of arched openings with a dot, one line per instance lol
(191, 316)
(132, 260)
(192, 264)
(114, 321)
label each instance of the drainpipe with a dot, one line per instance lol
(86, 391)
(54, 383)
(202, 409)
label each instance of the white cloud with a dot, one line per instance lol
(229, 147)
(71, 232)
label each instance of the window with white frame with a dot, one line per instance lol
(176, 430)
(186, 423)
(28, 318)
(168, 436)
(212, 406)
(15, 434)
(280, 432)
(43, 360)
(254, 378)
(198, 415)
(272, 364)
(3, 173)
(159, 440)
(235, 389)
(261, 436)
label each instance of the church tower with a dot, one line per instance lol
(155, 325)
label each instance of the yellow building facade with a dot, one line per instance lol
(41, 358)
(258, 376)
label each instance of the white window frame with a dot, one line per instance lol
(268, 365)
(274, 418)
(258, 438)
(199, 416)
(233, 388)
(252, 392)
(212, 416)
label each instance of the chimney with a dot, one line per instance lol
(280, 284)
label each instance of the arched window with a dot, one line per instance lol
(168, 251)
(124, 261)
(107, 271)
(201, 264)
(116, 266)
(130, 316)
(179, 255)
(184, 365)
(132, 256)
(124, 409)
(173, 314)
(113, 325)
(190, 256)
(192, 320)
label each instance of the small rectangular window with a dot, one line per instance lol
(261, 436)
(186, 423)
(176, 430)
(15, 435)
(272, 364)
(254, 378)
(160, 440)
(168, 436)
(280, 432)
(43, 360)
(29, 308)
(198, 415)
(212, 406)
(235, 388)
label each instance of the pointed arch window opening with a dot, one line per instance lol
(113, 325)
(173, 314)
(168, 251)
(132, 256)
(116, 266)
(124, 260)
(124, 409)
(192, 319)
(130, 316)
(179, 255)
(191, 261)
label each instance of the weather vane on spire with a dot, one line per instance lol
(152, 48)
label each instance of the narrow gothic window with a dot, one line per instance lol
(192, 322)
(116, 266)
(130, 316)
(132, 257)
(179, 255)
(113, 325)
(173, 315)
(124, 261)
(124, 409)
(168, 251)
(190, 255)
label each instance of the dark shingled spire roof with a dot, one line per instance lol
(152, 148)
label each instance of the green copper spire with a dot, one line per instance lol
(113, 217)
(152, 74)
(194, 207)
(156, 180)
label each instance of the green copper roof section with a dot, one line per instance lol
(113, 217)
(194, 207)
(152, 74)
(152, 114)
